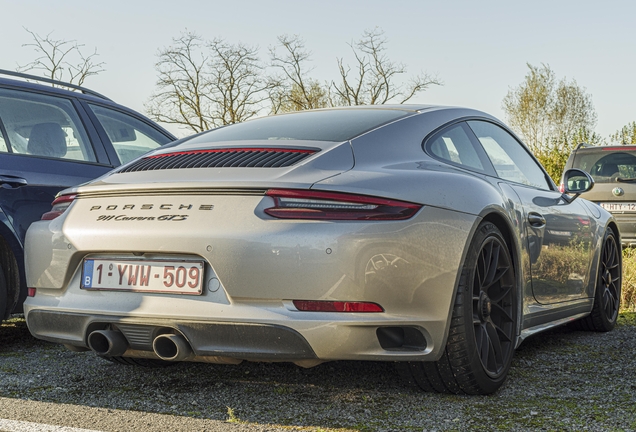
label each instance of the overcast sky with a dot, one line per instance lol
(479, 49)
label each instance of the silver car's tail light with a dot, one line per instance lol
(336, 306)
(60, 204)
(303, 204)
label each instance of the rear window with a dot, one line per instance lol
(328, 125)
(607, 166)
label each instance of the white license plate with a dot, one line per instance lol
(619, 207)
(181, 277)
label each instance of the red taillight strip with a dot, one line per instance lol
(59, 206)
(336, 306)
(615, 148)
(233, 150)
(320, 205)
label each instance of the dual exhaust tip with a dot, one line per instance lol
(110, 343)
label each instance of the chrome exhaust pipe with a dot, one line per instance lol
(107, 343)
(171, 347)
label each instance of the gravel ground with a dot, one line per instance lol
(559, 380)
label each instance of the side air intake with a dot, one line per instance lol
(221, 158)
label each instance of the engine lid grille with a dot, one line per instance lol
(221, 158)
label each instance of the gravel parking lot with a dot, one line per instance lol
(560, 380)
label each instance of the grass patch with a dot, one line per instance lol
(627, 319)
(628, 297)
(231, 416)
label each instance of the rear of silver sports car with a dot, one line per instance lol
(261, 263)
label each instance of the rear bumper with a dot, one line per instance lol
(234, 340)
(306, 342)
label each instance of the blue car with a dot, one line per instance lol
(52, 138)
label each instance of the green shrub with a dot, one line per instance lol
(628, 297)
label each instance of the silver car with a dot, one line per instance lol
(424, 235)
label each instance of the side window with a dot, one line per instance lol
(129, 136)
(510, 159)
(42, 125)
(454, 145)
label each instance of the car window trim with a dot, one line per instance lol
(5, 137)
(489, 169)
(93, 136)
(99, 146)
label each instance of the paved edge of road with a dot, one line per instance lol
(78, 418)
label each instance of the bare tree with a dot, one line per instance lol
(293, 90)
(182, 85)
(61, 60)
(203, 85)
(372, 80)
(237, 82)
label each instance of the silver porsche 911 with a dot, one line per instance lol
(424, 235)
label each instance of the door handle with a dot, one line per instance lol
(536, 220)
(9, 182)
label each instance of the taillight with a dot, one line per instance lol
(562, 188)
(305, 204)
(31, 292)
(336, 306)
(60, 204)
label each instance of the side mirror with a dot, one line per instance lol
(576, 181)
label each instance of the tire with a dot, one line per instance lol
(607, 294)
(143, 362)
(483, 327)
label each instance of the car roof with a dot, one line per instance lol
(84, 93)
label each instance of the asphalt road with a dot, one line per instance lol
(560, 380)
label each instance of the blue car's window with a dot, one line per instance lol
(328, 125)
(129, 136)
(41, 125)
(510, 159)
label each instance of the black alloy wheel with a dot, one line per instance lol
(483, 327)
(607, 296)
(609, 278)
(493, 303)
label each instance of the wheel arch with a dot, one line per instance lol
(614, 227)
(610, 225)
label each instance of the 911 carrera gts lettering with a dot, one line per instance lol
(175, 218)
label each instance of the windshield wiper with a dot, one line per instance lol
(626, 180)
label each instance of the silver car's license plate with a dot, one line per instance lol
(619, 206)
(181, 277)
